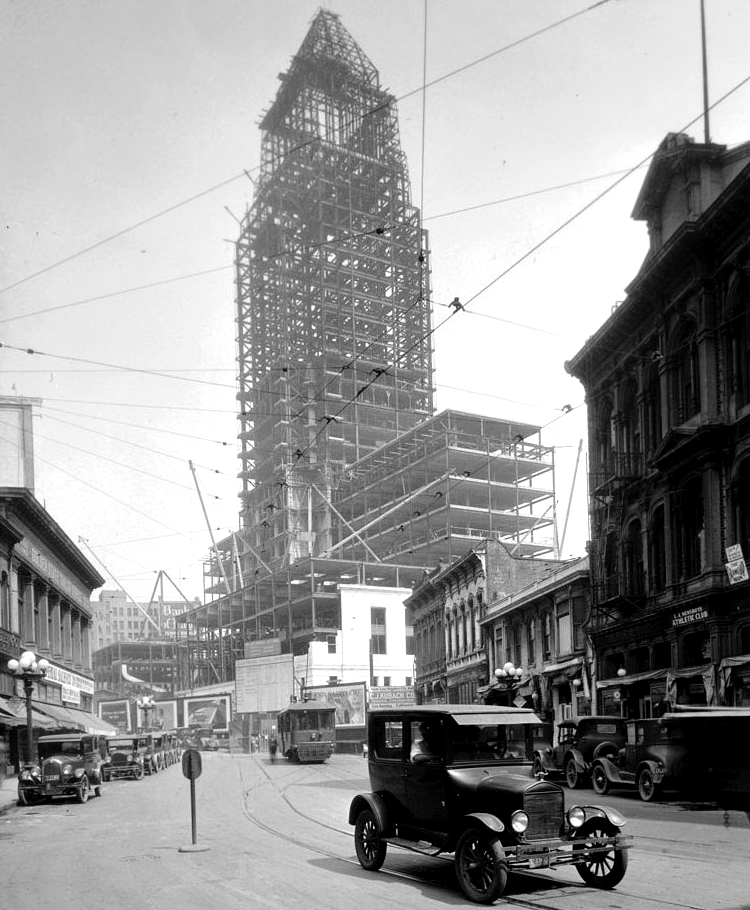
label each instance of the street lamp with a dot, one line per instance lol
(509, 674)
(146, 704)
(30, 669)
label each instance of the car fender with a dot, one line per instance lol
(545, 759)
(577, 757)
(658, 771)
(375, 803)
(490, 823)
(606, 746)
(611, 815)
(609, 768)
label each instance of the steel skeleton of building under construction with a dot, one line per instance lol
(347, 473)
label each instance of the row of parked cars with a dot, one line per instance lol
(77, 764)
(692, 751)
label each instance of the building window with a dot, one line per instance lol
(580, 615)
(547, 636)
(686, 389)
(498, 655)
(564, 630)
(630, 431)
(531, 638)
(377, 630)
(605, 440)
(653, 404)
(331, 639)
(738, 341)
(692, 528)
(658, 541)
(633, 559)
(409, 640)
(408, 681)
(386, 680)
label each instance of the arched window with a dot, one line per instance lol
(610, 579)
(738, 340)
(658, 552)
(630, 430)
(4, 602)
(653, 407)
(686, 393)
(633, 559)
(605, 439)
(691, 527)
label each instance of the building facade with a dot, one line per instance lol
(541, 630)
(447, 611)
(667, 381)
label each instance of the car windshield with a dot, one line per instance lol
(121, 744)
(46, 749)
(479, 744)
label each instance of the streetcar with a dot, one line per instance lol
(306, 731)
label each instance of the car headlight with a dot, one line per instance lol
(576, 816)
(519, 821)
(67, 769)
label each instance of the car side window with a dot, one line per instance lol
(389, 740)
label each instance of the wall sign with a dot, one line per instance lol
(692, 614)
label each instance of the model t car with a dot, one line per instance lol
(693, 751)
(126, 758)
(457, 779)
(580, 740)
(70, 764)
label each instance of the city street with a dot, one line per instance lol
(277, 836)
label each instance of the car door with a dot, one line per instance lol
(425, 782)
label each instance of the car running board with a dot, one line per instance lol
(416, 846)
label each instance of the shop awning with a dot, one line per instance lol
(631, 678)
(78, 720)
(12, 718)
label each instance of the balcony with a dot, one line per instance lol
(617, 470)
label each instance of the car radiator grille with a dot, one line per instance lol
(119, 759)
(545, 811)
(51, 767)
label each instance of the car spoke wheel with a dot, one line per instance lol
(23, 798)
(572, 775)
(647, 789)
(600, 870)
(368, 841)
(138, 772)
(600, 780)
(82, 793)
(480, 866)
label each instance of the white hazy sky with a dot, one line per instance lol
(145, 112)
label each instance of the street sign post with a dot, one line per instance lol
(192, 768)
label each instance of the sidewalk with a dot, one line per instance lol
(8, 793)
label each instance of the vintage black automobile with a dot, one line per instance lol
(70, 764)
(580, 740)
(126, 759)
(695, 752)
(458, 779)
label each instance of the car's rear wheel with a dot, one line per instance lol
(573, 776)
(647, 789)
(599, 870)
(480, 866)
(82, 793)
(368, 841)
(138, 772)
(600, 780)
(23, 798)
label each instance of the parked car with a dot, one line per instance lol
(457, 779)
(126, 759)
(696, 752)
(151, 753)
(70, 764)
(579, 741)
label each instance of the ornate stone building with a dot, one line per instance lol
(667, 380)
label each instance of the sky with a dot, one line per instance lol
(130, 143)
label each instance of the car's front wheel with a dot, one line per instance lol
(573, 776)
(82, 793)
(603, 869)
(138, 772)
(368, 841)
(480, 866)
(599, 780)
(647, 788)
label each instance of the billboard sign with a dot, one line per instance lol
(349, 700)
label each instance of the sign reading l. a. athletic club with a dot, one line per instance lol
(690, 615)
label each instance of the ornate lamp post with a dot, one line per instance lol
(146, 704)
(30, 669)
(510, 674)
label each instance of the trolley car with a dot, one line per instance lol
(306, 731)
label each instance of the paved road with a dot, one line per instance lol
(279, 838)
